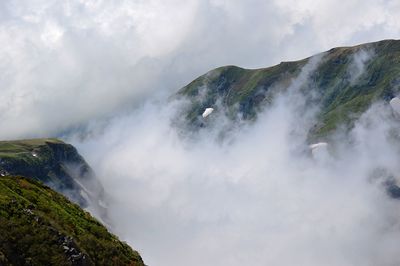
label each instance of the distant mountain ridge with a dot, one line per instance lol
(348, 80)
(56, 164)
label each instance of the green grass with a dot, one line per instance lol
(46, 160)
(341, 101)
(18, 148)
(35, 222)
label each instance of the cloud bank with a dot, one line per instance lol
(66, 63)
(259, 196)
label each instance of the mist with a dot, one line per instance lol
(257, 196)
(358, 63)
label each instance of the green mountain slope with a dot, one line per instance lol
(38, 226)
(347, 80)
(56, 164)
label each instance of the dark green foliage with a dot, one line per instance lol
(41, 227)
(340, 100)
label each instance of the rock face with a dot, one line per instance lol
(345, 82)
(56, 164)
(39, 226)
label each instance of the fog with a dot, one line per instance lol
(358, 63)
(257, 196)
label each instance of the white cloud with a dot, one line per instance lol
(257, 198)
(357, 64)
(65, 63)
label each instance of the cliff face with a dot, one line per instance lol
(39, 226)
(346, 81)
(56, 164)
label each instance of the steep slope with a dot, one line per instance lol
(346, 81)
(56, 164)
(38, 226)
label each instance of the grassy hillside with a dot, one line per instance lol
(343, 90)
(53, 162)
(39, 226)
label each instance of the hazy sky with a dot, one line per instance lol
(63, 63)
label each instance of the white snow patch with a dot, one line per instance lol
(207, 112)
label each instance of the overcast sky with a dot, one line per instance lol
(63, 63)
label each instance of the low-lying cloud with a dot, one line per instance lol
(358, 63)
(257, 197)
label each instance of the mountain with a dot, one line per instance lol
(346, 80)
(39, 226)
(56, 164)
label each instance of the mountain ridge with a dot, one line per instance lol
(341, 98)
(56, 164)
(39, 225)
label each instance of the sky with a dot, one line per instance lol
(258, 197)
(92, 59)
